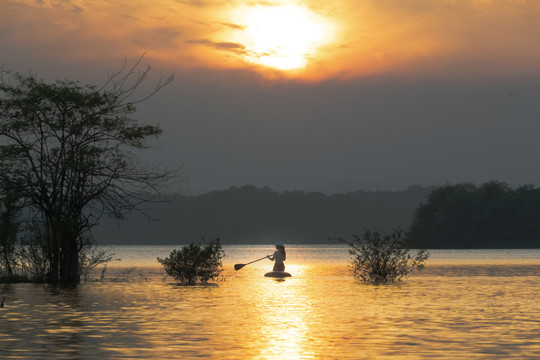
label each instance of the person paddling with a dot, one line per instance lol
(279, 257)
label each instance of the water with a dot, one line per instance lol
(479, 304)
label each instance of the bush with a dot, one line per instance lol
(194, 263)
(90, 257)
(383, 258)
(32, 257)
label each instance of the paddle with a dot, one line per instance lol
(239, 266)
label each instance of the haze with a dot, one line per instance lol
(391, 93)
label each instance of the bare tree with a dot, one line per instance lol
(67, 149)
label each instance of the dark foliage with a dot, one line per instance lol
(247, 215)
(195, 263)
(383, 258)
(66, 150)
(490, 215)
(9, 228)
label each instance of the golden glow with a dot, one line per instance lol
(283, 333)
(309, 40)
(283, 37)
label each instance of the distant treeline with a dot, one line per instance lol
(466, 215)
(490, 215)
(251, 215)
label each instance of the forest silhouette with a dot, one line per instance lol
(489, 215)
(252, 215)
(465, 215)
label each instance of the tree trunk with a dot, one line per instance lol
(69, 260)
(54, 253)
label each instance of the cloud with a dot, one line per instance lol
(158, 37)
(233, 26)
(72, 5)
(225, 46)
(372, 37)
(195, 3)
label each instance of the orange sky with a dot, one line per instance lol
(369, 37)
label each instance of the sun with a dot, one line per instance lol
(283, 37)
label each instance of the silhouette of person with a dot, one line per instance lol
(279, 257)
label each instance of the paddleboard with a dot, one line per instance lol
(277, 274)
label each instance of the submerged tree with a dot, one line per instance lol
(9, 228)
(383, 258)
(66, 149)
(195, 263)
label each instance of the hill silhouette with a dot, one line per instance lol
(252, 215)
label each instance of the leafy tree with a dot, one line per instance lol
(489, 215)
(194, 263)
(67, 149)
(446, 217)
(383, 258)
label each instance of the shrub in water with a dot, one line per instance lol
(383, 258)
(195, 263)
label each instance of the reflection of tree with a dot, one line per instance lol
(65, 331)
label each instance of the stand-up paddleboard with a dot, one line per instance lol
(277, 274)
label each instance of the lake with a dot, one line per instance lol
(473, 304)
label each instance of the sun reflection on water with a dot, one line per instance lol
(282, 312)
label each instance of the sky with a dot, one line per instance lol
(313, 95)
